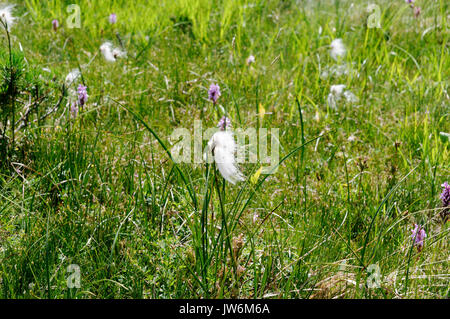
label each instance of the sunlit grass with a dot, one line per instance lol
(101, 191)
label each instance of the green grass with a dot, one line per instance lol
(101, 191)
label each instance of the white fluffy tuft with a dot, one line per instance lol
(337, 49)
(337, 89)
(72, 76)
(6, 16)
(110, 53)
(336, 92)
(223, 148)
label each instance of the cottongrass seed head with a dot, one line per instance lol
(336, 93)
(337, 89)
(223, 148)
(338, 49)
(72, 77)
(6, 15)
(111, 53)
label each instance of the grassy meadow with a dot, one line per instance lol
(96, 191)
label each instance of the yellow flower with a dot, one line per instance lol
(262, 111)
(255, 177)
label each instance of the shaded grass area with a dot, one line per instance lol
(99, 190)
